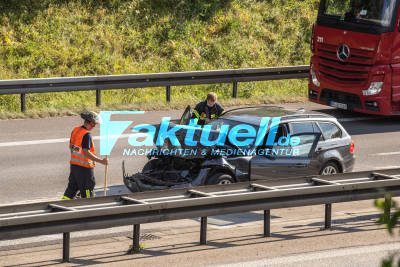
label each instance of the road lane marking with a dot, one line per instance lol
(49, 141)
(386, 168)
(34, 142)
(357, 119)
(387, 153)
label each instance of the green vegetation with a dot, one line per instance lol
(59, 38)
(132, 251)
(390, 218)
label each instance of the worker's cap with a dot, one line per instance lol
(91, 116)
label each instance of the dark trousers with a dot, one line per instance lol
(82, 179)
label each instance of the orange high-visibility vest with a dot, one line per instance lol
(77, 155)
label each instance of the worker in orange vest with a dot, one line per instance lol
(83, 158)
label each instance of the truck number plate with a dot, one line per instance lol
(338, 105)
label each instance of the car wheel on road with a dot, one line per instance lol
(220, 178)
(329, 168)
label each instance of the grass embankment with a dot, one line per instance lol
(60, 38)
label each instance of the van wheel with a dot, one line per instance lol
(329, 168)
(220, 178)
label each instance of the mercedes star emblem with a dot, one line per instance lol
(343, 52)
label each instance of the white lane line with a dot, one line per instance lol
(48, 141)
(387, 153)
(386, 168)
(358, 119)
(368, 168)
(34, 142)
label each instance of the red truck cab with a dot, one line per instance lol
(356, 56)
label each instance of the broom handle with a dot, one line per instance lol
(105, 179)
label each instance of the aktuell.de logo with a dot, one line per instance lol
(241, 135)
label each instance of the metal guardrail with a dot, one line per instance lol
(98, 83)
(155, 206)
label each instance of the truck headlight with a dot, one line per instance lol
(314, 78)
(374, 88)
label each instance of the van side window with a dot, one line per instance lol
(318, 130)
(301, 127)
(330, 130)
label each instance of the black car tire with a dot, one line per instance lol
(220, 178)
(329, 168)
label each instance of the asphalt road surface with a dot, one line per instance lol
(34, 155)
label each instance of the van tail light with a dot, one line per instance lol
(351, 147)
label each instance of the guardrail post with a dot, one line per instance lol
(388, 206)
(66, 239)
(328, 216)
(168, 93)
(136, 238)
(267, 223)
(234, 90)
(203, 231)
(98, 98)
(23, 103)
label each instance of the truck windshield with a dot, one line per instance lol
(377, 12)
